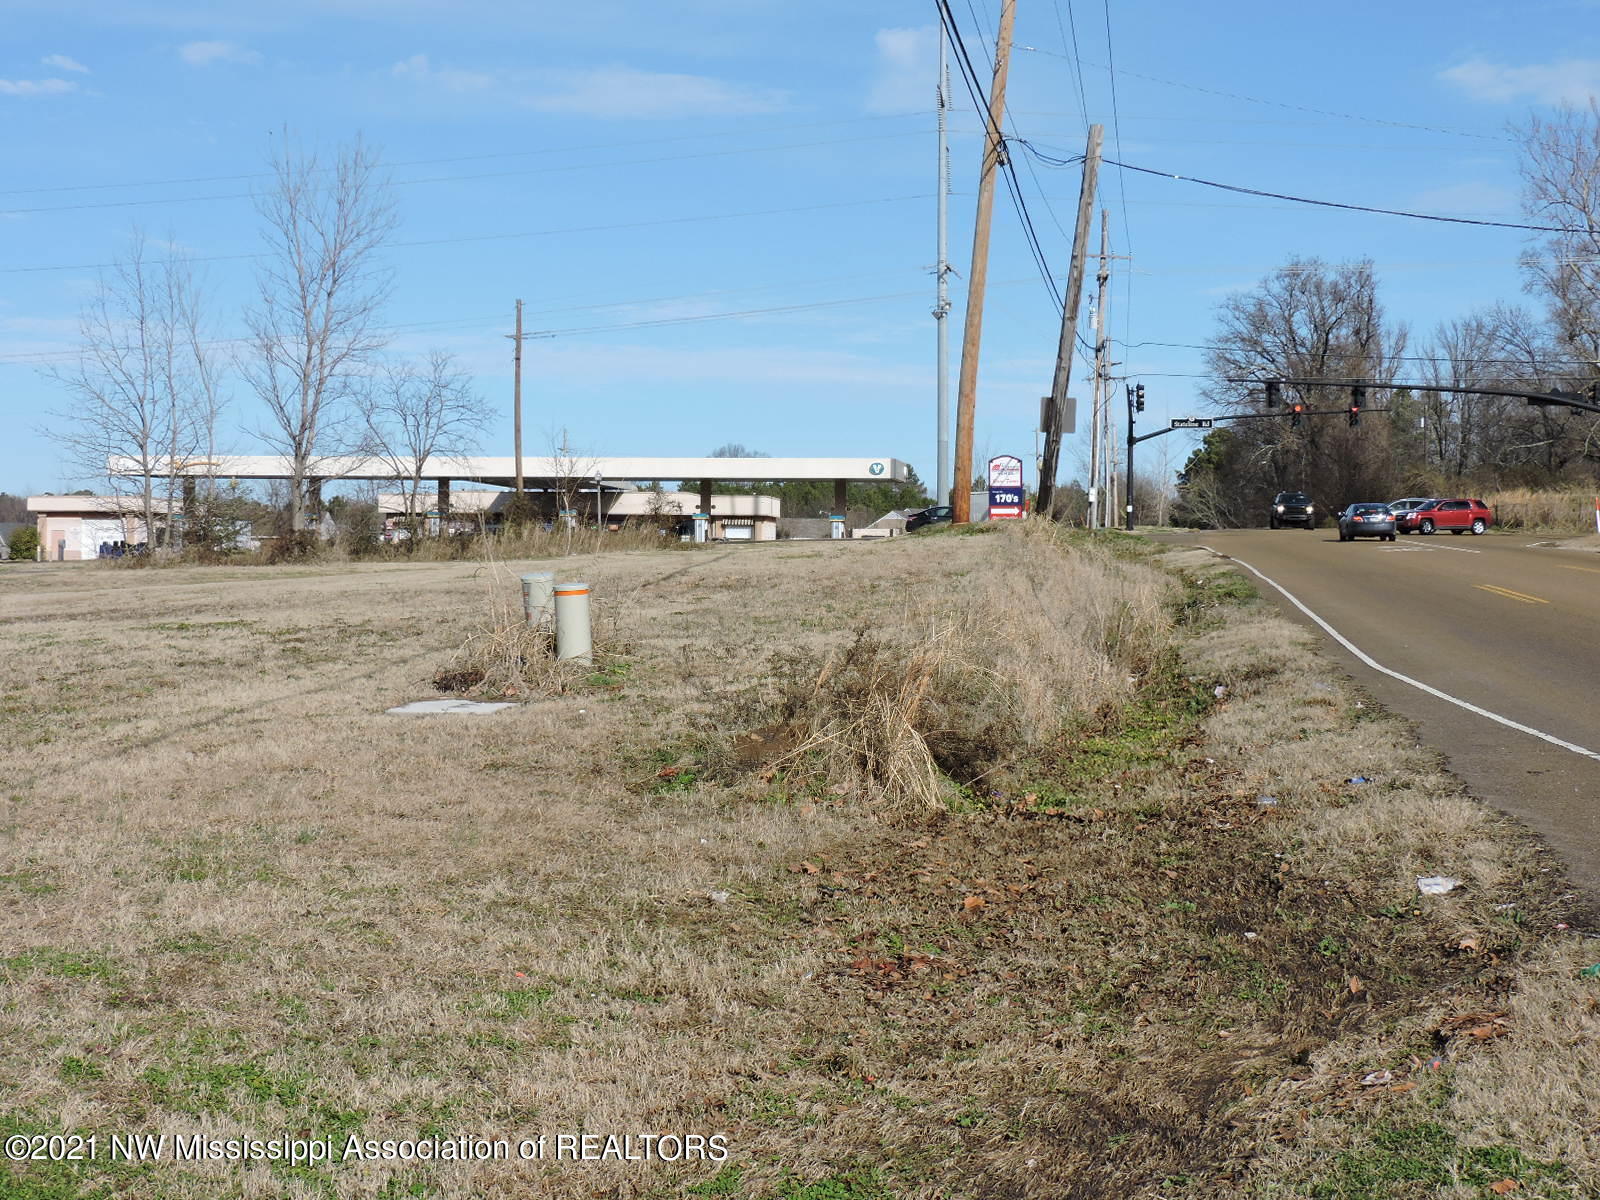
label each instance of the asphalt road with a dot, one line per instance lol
(1494, 621)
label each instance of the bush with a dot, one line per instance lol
(24, 543)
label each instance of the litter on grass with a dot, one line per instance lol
(1437, 885)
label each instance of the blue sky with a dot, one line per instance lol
(616, 162)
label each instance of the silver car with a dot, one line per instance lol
(1366, 520)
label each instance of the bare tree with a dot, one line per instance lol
(570, 470)
(1307, 320)
(1561, 187)
(144, 382)
(314, 329)
(412, 412)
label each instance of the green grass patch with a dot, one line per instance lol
(69, 964)
(859, 1183)
(1429, 1155)
(1142, 736)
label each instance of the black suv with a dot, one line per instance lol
(1292, 508)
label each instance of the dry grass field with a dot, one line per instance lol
(934, 868)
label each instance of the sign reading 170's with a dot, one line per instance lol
(1006, 495)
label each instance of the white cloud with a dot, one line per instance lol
(1573, 80)
(418, 69)
(62, 63)
(36, 87)
(624, 92)
(907, 64)
(203, 54)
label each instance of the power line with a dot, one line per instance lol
(973, 82)
(1321, 112)
(491, 237)
(43, 357)
(1052, 161)
(1122, 190)
(1074, 59)
(156, 201)
(426, 162)
(1427, 358)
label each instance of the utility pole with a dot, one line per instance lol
(978, 277)
(516, 403)
(1102, 373)
(941, 307)
(1061, 383)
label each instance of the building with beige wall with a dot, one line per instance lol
(73, 528)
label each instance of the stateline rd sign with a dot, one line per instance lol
(1191, 422)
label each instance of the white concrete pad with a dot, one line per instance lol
(464, 708)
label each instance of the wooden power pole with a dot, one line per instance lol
(978, 277)
(1061, 383)
(1106, 519)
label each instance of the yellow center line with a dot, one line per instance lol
(1591, 570)
(1509, 594)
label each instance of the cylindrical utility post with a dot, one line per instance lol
(572, 622)
(538, 597)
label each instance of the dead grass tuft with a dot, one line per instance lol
(910, 715)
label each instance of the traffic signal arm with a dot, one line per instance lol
(1556, 399)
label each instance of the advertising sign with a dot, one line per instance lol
(1005, 471)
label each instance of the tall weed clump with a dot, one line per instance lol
(1569, 512)
(979, 671)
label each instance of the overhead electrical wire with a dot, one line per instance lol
(1426, 358)
(1073, 57)
(499, 154)
(1072, 160)
(156, 201)
(492, 237)
(1321, 112)
(974, 85)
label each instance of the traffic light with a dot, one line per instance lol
(1274, 393)
(1138, 398)
(1295, 419)
(1358, 397)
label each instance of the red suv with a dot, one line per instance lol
(1458, 516)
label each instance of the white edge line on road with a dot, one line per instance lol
(1406, 679)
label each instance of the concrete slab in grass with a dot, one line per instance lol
(457, 708)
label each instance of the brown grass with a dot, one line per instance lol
(238, 898)
(1569, 512)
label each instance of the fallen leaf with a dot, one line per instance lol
(1504, 1186)
(1403, 1087)
(1356, 986)
(811, 868)
(972, 903)
(1469, 944)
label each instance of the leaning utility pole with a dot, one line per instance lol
(977, 278)
(1061, 383)
(941, 307)
(1102, 374)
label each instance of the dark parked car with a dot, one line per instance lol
(1458, 516)
(1367, 519)
(929, 516)
(1292, 508)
